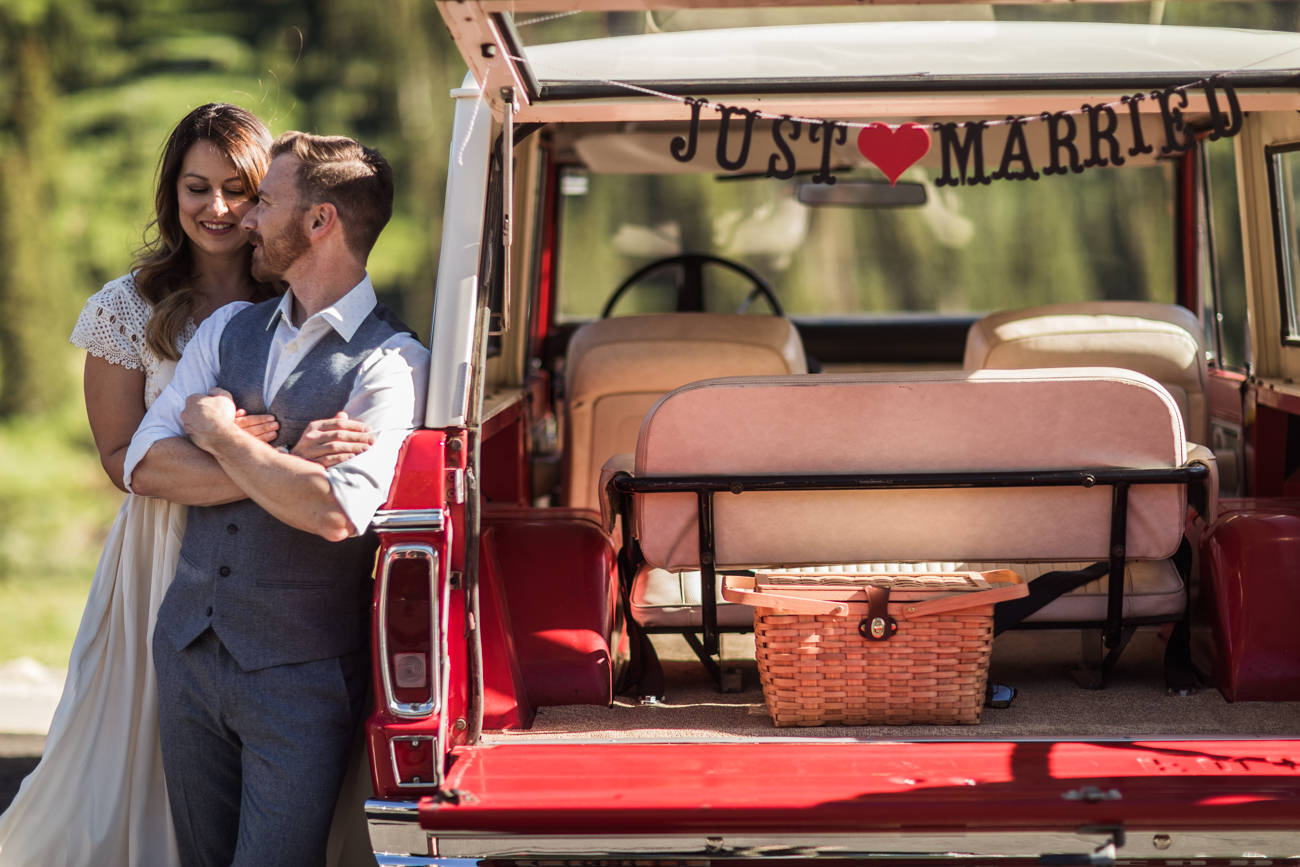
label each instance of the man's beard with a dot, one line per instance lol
(273, 256)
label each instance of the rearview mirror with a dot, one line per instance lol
(862, 194)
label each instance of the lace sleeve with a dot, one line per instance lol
(111, 325)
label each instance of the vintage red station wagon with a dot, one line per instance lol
(747, 317)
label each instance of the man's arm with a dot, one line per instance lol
(177, 470)
(389, 396)
(292, 489)
(339, 502)
(159, 461)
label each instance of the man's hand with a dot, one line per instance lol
(209, 417)
(331, 441)
(264, 427)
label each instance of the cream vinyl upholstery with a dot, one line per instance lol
(925, 422)
(1152, 588)
(617, 368)
(1161, 340)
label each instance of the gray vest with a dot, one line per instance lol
(275, 595)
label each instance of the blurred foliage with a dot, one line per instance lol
(56, 507)
(90, 88)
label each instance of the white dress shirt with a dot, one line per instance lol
(388, 393)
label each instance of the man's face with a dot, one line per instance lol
(275, 224)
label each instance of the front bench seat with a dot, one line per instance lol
(616, 369)
(1162, 341)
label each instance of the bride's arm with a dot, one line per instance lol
(114, 406)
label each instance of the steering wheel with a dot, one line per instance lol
(690, 287)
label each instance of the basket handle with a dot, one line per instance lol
(740, 588)
(1013, 587)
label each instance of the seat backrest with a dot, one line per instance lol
(905, 423)
(617, 368)
(1161, 340)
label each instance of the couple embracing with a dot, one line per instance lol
(226, 630)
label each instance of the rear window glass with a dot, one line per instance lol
(1105, 234)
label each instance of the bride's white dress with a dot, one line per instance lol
(98, 796)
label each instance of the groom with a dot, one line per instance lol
(261, 642)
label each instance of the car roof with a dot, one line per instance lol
(940, 68)
(923, 54)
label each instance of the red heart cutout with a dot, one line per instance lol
(894, 148)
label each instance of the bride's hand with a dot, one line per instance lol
(330, 441)
(264, 427)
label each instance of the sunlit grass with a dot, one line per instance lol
(54, 515)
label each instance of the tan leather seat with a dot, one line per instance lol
(1161, 340)
(899, 423)
(617, 368)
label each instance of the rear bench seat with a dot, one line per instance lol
(616, 369)
(985, 420)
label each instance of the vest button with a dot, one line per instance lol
(232, 529)
(223, 571)
(209, 610)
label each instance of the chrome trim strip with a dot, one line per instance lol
(434, 668)
(388, 520)
(1150, 847)
(399, 820)
(396, 837)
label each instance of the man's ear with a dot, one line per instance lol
(320, 219)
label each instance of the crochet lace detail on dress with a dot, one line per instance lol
(111, 326)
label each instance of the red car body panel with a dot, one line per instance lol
(1249, 556)
(825, 788)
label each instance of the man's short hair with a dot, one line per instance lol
(355, 179)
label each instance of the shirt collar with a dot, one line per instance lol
(344, 315)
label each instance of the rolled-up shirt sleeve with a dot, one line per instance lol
(196, 373)
(389, 396)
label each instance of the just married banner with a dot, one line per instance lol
(1088, 137)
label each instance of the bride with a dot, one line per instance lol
(98, 796)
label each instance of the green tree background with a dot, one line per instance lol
(89, 90)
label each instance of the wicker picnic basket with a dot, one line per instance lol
(859, 649)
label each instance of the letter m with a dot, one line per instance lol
(967, 153)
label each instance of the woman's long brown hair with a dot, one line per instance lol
(165, 266)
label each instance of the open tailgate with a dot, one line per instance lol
(878, 792)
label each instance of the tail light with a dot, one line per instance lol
(407, 624)
(413, 758)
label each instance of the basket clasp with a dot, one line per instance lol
(877, 625)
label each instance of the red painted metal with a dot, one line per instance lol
(505, 701)
(503, 459)
(420, 483)
(1284, 401)
(543, 307)
(1266, 443)
(1251, 563)
(557, 571)
(809, 788)
(1224, 390)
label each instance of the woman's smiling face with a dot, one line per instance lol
(212, 200)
